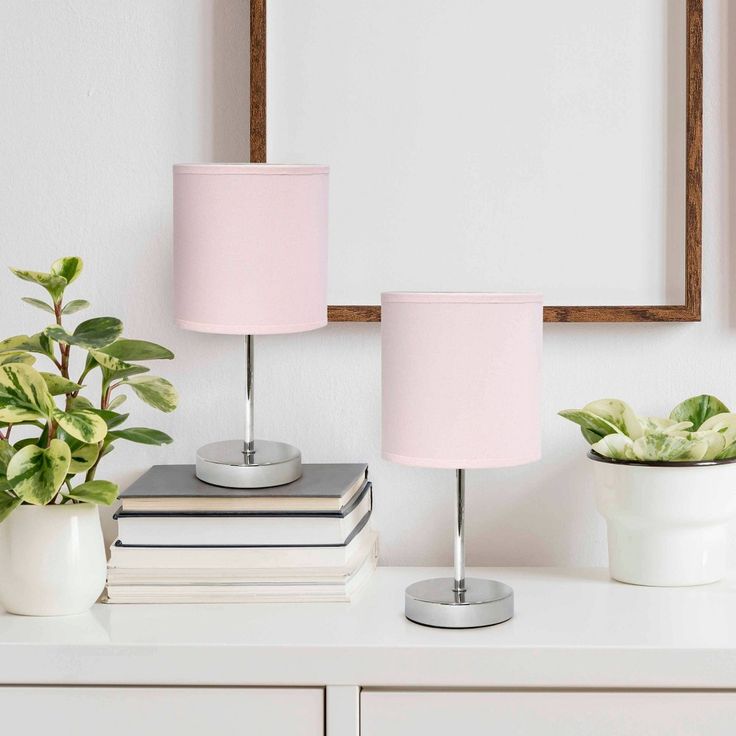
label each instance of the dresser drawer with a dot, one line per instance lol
(153, 711)
(539, 713)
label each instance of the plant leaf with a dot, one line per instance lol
(141, 435)
(83, 456)
(81, 402)
(17, 356)
(8, 503)
(716, 442)
(53, 283)
(95, 491)
(724, 424)
(38, 304)
(75, 305)
(37, 343)
(108, 361)
(117, 401)
(58, 385)
(68, 268)
(156, 392)
(20, 444)
(16, 342)
(669, 448)
(112, 419)
(594, 428)
(132, 370)
(666, 426)
(698, 409)
(23, 394)
(83, 424)
(98, 332)
(6, 453)
(720, 433)
(616, 446)
(728, 453)
(618, 413)
(91, 334)
(106, 450)
(36, 473)
(137, 350)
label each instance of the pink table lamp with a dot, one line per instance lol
(461, 389)
(250, 258)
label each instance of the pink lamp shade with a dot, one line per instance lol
(461, 376)
(250, 248)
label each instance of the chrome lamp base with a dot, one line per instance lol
(228, 464)
(459, 602)
(248, 463)
(435, 603)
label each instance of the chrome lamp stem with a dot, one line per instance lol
(459, 533)
(249, 443)
(247, 462)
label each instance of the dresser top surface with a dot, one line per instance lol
(572, 628)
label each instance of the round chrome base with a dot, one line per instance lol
(435, 603)
(226, 464)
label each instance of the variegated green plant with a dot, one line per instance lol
(699, 428)
(65, 434)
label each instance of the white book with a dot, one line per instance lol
(243, 576)
(239, 558)
(243, 528)
(251, 593)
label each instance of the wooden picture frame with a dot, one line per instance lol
(690, 311)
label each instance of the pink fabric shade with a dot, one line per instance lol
(250, 248)
(461, 379)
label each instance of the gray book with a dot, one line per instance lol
(323, 487)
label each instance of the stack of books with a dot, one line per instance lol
(184, 541)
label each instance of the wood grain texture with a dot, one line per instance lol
(258, 81)
(354, 313)
(694, 153)
(690, 311)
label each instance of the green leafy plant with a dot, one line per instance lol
(65, 434)
(699, 428)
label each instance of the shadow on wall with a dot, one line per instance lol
(230, 81)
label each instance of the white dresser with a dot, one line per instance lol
(583, 655)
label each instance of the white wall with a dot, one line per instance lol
(473, 169)
(98, 99)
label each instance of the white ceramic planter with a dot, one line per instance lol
(52, 559)
(667, 522)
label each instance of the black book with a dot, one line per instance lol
(323, 487)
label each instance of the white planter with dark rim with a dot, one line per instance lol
(667, 522)
(52, 559)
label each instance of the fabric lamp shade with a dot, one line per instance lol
(461, 379)
(250, 248)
